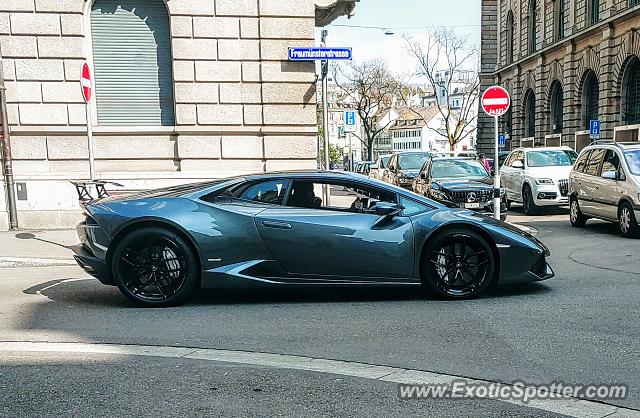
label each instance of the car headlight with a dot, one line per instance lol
(439, 194)
(544, 181)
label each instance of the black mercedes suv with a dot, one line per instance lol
(458, 182)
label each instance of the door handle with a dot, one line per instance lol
(277, 225)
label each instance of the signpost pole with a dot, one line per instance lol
(496, 175)
(92, 162)
(495, 102)
(324, 66)
(86, 86)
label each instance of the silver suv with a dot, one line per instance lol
(605, 184)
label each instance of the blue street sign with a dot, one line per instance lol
(502, 140)
(350, 120)
(594, 128)
(315, 54)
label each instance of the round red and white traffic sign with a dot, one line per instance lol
(85, 82)
(495, 101)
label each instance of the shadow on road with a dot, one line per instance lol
(89, 292)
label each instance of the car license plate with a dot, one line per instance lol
(472, 205)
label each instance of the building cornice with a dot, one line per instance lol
(329, 10)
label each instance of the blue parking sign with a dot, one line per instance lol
(350, 120)
(594, 129)
(502, 140)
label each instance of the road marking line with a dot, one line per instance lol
(38, 261)
(569, 406)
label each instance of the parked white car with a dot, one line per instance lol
(538, 176)
(377, 171)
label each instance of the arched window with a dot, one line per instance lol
(590, 99)
(560, 17)
(510, 37)
(132, 62)
(593, 11)
(529, 114)
(631, 93)
(531, 23)
(557, 109)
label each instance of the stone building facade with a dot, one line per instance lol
(185, 90)
(564, 63)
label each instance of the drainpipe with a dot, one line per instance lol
(6, 153)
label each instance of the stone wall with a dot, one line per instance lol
(240, 105)
(603, 47)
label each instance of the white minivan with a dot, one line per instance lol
(538, 176)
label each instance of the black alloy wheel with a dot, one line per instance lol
(529, 205)
(458, 264)
(155, 267)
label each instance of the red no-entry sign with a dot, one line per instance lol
(495, 101)
(85, 83)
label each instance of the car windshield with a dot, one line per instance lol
(470, 169)
(551, 158)
(633, 160)
(384, 161)
(412, 161)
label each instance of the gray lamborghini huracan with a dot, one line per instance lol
(298, 228)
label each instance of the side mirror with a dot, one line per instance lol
(386, 211)
(518, 164)
(610, 175)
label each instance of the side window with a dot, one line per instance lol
(592, 167)
(582, 162)
(272, 192)
(411, 207)
(509, 159)
(342, 197)
(611, 162)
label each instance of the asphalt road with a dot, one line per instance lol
(580, 327)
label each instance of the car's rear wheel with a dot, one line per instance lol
(529, 205)
(576, 217)
(627, 221)
(155, 267)
(457, 264)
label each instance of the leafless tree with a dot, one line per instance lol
(372, 91)
(444, 50)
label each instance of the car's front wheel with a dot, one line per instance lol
(529, 205)
(627, 221)
(457, 264)
(155, 267)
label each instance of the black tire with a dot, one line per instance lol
(627, 221)
(528, 204)
(578, 220)
(155, 267)
(463, 253)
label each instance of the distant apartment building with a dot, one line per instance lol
(564, 63)
(185, 90)
(422, 129)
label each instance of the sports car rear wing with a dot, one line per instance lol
(84, 189)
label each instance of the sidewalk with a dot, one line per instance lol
(50, 245)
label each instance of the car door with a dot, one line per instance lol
(609, 191)
(341, 241)
(590, 184)
(422, 179)
(505, 174)
(518, 174)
